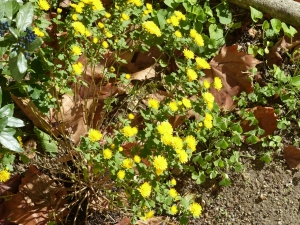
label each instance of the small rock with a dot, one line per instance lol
(263, 197)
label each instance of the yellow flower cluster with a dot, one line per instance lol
(153, 103)
(176, 18)
(208, 121)
(4, 175)
(182, 156)
(192, 75)
(38, 32)
(94, 135)
(145, 189)
(77, 68)
(188, 54)
(177, 143)
(152, 28)
(218, 83)
(197, 37)
(44, 5)
(79, 27)
(191, 142)
(195, 209)
(107, 33)
(107, 153)
(148, 9)
(202, 64)
(129, 131)
(209, 99)
(127, 163)
(76, 50)
(160, 164)
(130, 116)
(97, 5)
(165, 128)
(135, 2)
(78, 7)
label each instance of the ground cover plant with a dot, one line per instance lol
(123, 99)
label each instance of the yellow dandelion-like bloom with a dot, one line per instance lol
(173, 182)
(137, 159)
(202, 64)
(152, 28)
(20, 141)
(135, 2)
(167, 139)
(218, 83)
(183, 156)
(127, 76)
(108, 34)
(193, 33)
(79, 27)
(187, 103)
(174, 209)
(208, 117)
(94, 135)
(74, 17)
(174, 21)
(188, 54)
(121, 174)
(129, 131)
(208, 124)
(112, 146)
(120, 149)
(177, 143)
(77, 68)
(191, 142)
(38, 32)
(44, 5)
(127, 163)
(149, 6)
(105, 44)
(58, 10)
(173, 193)
(97, 5)
(165, 128)
(153, 103)
(160, 163)
(199, 40)
(100, 25)
(125, 16)
(130, 116)
(76, 50)
(173, 106)
(107, 153)
(208, 97)
(88, 33)
(178, 34)
(178, 14)
(112, 69)
(107, 15)
(192, 75)
(4, 175)
(145, 189)
(206, 84)
(149, 215)
(200, 124)
(195, 209)
(95, 40)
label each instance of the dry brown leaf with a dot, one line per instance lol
(292, 156)
(144, 74)
(124, 221)
(231, 66)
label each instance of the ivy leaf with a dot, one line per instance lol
(7, 110)
(224, 14)
(255, 14)
(276, 25)
(11, 7)
(14, 70)
(9, 142)
(24, 16)
(22, 63)
(15, 122)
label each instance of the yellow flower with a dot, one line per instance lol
(130, 116)
(135, 2)
(20, 141)
(187, 103)
(208, 97)
(129, 131)
(74, 17)
(193, 33)
(112, 69)
(192, 75)
(58, 10)
(38, 32)
(95, 40)
(160, 164)
(174, 21)
(97, 5)
(218, 83)
(107, 153)
(153, 103)
(188, 54)
(202, 64)
(182, 155)
(208, 121)
(191, 142)
(173, 182)
(173, 193)
(105, 44)
(179, 15)
(112, 146)
(121, 174)
(100, 25)
(77, 68)
(94, 135)
(152, 28)
(145, 189)
(125, 16)
(174, 209)
(177, 143)
(87, 33)
(200, 124)
(127, 76)
(78, 27)
(199, 40)
(149, 6)
(108, 33)
(120, 149)
(173, 106)
(206, 84)
(107, 15)
(4, 175)
(137, 159)
(208, 116)
(44, 5)
(149, 214)
(76, 50)
(195, 209)
(127, 163)
(178, 34)
(167, 139)
(165, 128)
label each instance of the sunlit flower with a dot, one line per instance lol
(79, 27)
(121, 174)
(107, 15)
(108, 33)
(120, 149)
(20, 141)
(179, 15)
(177, 143)
(178, 34)
(193, 33)
(188, 54)
(38, 32)
(4, 175)
(173, 106)
(95, 40)
(94, 135)
(58, 10)
(97, 5)
(218, 83)
(153, 103)
(208, 121)
(112, 146)
(149, 6)
(191, 142)
(74, 17)
(202, 64)
(152, 28)
(208, 97)
(129, 131)
(127, 76)
(160, 164)
(76, 50)
(192, 75)
(199, 40)
(195, 209)
(44, 5)
(173, 182)
(145, 189)
(130, 116)
(206, 84)
(174, 209)
(107, 153)
(87, 33)
(167, 139)
(135, 2)
(125, 16)
(137, 159)
(149, 214)
(187, 103)
(127, 163)
(173, 193)
(182, 155)
(165, 128)
(100, 25)
(174, 21)
(77, 68)
(105, 44)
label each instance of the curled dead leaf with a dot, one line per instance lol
(292, 156)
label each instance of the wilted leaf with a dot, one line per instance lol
(232, 67)
(292, 156)
(144, 74)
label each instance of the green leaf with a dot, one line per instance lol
(48, 144)
(3, 50)
(225, 182)
(222, 144)
(192, 2)
(14, 32)
(11, 7)
(13, 66)
(265, 25)
(255, 14)
(216, 34)
(184, 220)
(22, 63)
(24, 16)
(9, 142)
(7, 110)
(161, 14)
(3, 123)
(2, 9)
(252, 139)
(276, 25)
(9, 130)
(237, 128)
(171, 3)
(224, 14)
(0, 95)
(15, 122)
(266, 157)
(296, 81)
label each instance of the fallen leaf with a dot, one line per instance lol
(144, 74)
(232, 67)
(124, 221)
(292, 156)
